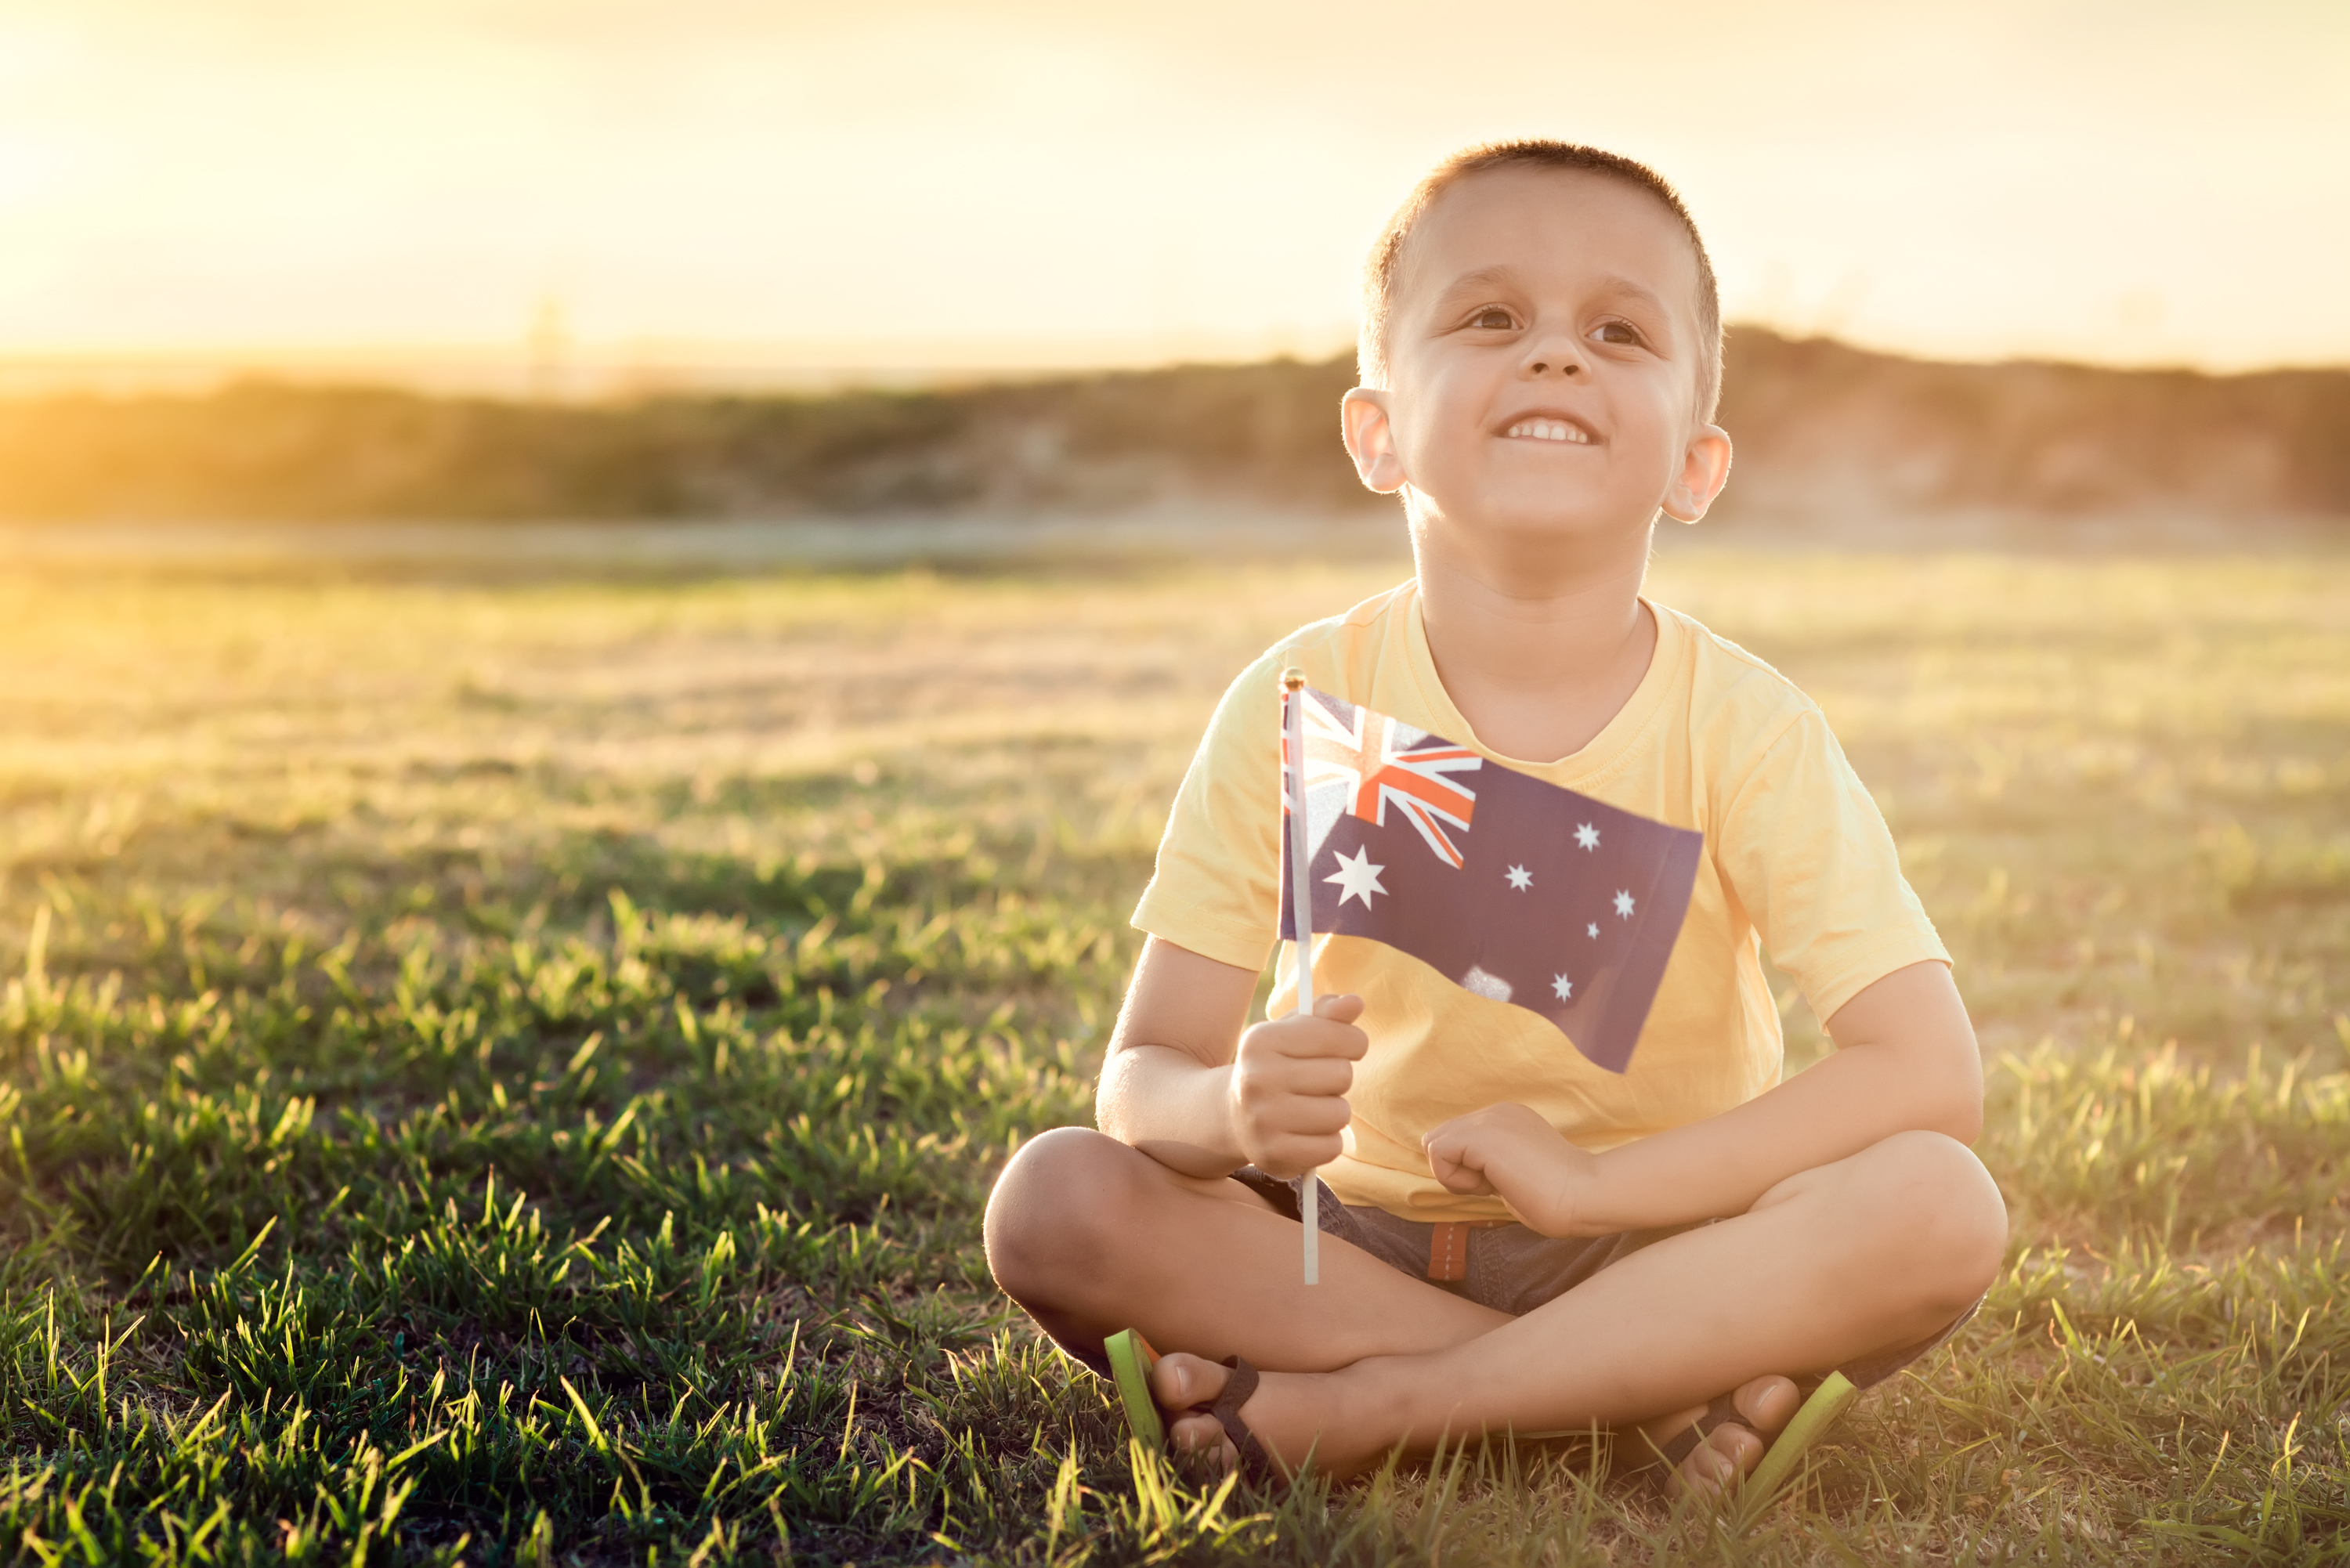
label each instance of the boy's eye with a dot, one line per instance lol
(1493, 319)
(1617, 332)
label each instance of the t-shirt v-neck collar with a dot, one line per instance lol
(1616, 739)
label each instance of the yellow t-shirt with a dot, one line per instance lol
(1796, 858)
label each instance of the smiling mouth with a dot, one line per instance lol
(1548, 430)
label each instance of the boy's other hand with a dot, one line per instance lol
(1509, 1151)
(1289, 1085)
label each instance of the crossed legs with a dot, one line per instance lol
(1869, 1253)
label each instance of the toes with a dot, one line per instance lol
(1194, 1434)
(1728, 1452)
(1184, 1386)
(1199, 1439)
(1181, 1381)
(1733, 1449)
(1767, 1403)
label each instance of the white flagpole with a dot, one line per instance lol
(1301, 898)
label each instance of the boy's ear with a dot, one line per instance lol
(1705, 469)
(1370, 440)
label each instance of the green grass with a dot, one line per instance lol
(510, 1072)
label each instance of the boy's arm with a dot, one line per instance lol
(1906, 1060)
(1185, 1085)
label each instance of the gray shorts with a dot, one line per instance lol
(1505, 1266)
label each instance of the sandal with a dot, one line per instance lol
(1130, 1361)
(1256, 1465)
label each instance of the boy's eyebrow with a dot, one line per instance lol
(1499, 273)
(1617, 284)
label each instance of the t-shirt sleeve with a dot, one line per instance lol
(1806, 850)
(1217, 887)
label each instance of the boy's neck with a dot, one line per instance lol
(1537, 653)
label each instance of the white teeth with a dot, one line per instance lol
(1549, 429)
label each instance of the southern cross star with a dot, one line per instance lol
(1622, 906)
(1592, 930)
(1520, 879)
(1358, 879)
(1563, 987)
(1587, 836)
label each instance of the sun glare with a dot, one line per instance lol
(1035, 183)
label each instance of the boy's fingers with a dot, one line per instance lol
(1315, 1116)
(1446, 1150)
(1296, 1077)
(1451, 1138)
(1324, 1037)
(1299, 1132)
(1317, 1076)
(1276, 1109)
(1444, 1164)
(1295, 1155)
(1344, 1008)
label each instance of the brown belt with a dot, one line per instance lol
(1448, 1246)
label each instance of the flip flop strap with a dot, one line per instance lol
(1256, 1465)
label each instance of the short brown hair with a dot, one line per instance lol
(1387, 254)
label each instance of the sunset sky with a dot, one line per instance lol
(1054, 182)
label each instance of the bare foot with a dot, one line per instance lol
(1733, 1449)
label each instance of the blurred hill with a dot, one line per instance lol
(1829, 437)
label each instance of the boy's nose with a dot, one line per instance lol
(1557, 355)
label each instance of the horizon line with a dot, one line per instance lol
(594, 368)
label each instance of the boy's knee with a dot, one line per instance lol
(1053, 1212)
(1938, 1212)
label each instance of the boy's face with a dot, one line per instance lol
(1543, 361)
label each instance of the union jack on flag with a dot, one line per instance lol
(1517, 890)
(1385, 762)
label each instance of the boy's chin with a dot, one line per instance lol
(1536, 522)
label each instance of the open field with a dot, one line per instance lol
(509, 1071)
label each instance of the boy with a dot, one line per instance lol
(1524, 1242)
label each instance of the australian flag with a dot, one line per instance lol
(1517, 889)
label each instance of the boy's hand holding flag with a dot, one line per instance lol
(1288, 1085)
